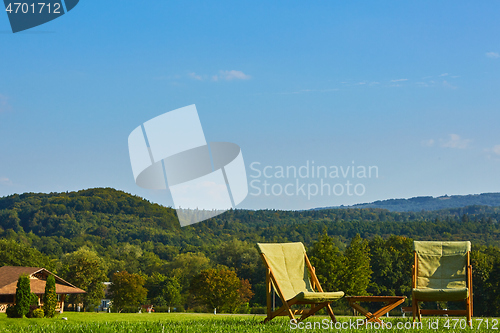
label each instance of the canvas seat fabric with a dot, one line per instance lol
(287, 261)
(441, 273)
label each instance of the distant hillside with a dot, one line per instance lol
(418, 204)
(106, 219)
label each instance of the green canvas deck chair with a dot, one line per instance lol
(288, 269)
(442, 272)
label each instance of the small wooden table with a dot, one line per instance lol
(391, 303)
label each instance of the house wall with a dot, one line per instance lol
(59, 306)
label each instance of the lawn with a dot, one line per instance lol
(190, 322)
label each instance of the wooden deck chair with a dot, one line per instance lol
(442, 272)
(288, 269)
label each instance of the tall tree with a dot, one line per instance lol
(164, 290)
(243, 257)
(494, 281)
(485, 279)
(15, 254)
(391, 262)
(24, 296)
(185, 266)
(327, 260)
(50, 297)
(86, 270)
(221, 289)
(357, 271)
(127, 290)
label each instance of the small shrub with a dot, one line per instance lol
(258, 310)
(244, 308)
(37, 313)
(33, 307)
(11, 312)
(164, 308)
(125, 309)
(201, 309)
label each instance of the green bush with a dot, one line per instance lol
(33, 307)
(164, 308)
(37, 313)
(258, 310)
(125, 309)
(200, 309)
(11, 312)
(244, 308)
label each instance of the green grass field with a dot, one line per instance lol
(190, 322)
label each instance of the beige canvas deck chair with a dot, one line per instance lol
(442, 272)
(288, 269)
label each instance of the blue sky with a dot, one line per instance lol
(409, 87)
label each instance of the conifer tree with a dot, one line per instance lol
(50, 297)
(24, 297)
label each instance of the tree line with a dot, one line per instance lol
(121, 233)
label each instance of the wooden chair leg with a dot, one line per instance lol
(290, 313)
(315, 308)
(268, 295)
(414, 308)
(469, 312)
(471, 304)
(330, 312)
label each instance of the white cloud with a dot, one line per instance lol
(193, 75)
(444, 74)
(455, 141)
(496, 149)
(305, 91)
(421, 84)
(5, 181)
(399, 80)
(428, 143)
(231, 75)
(222, 76)
(446, 84)
(493, 55)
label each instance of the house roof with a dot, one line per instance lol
(10, 274)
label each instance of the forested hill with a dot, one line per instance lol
(429, 203)
(127, 233)
(104, 218)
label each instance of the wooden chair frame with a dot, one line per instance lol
(417, 312)
(285, 309)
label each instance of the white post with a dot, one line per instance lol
(215, 310)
